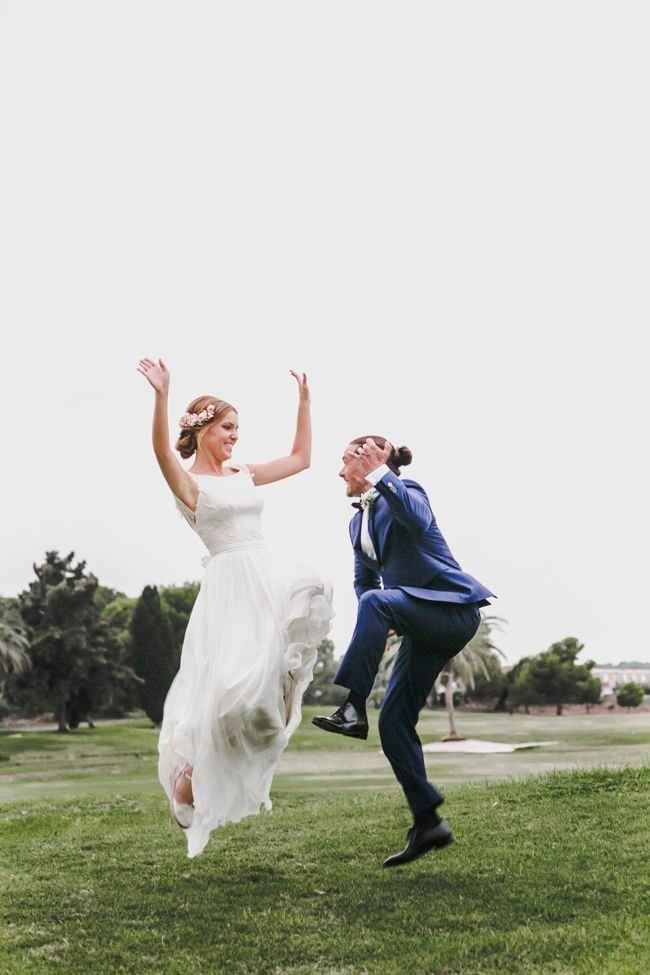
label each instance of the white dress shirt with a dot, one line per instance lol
(366, 541)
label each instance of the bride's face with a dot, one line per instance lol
(219, 438)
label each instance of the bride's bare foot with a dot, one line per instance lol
(181, 803)
(183, 787)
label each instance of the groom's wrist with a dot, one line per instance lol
(377, 474)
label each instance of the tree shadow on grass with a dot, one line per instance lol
(32, 741)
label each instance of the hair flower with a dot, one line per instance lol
(190, 420)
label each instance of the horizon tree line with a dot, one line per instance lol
(74, 647)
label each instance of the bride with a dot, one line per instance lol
(251, 640)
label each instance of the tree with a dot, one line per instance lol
(58, 607)
(14, 643)
(552, 677)
(630, 695)
(71, 650)
(111, 684)
(490, 687)
(177, 603)
(152, 652)
(322, 690)
(590, 692)
(104, 595)
(117, 615)
(522, 690)
(476, 658)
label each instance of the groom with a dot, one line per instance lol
(426, 598)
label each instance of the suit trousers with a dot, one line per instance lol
(432, 633)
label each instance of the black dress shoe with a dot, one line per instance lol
(346, 720)
(421, 839)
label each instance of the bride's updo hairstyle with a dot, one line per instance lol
(400, 456)
(200, 413)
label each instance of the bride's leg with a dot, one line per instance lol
(287, 693)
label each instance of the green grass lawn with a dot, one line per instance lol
(549, 875)
(121, 757)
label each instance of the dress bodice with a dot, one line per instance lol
(228, 511)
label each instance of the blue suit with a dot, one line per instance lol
(428, 600)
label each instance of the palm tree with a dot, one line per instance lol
(467, 664)
(13, 649)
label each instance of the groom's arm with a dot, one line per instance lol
(365, 578)
(409, 505)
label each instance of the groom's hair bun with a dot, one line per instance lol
(403, 456)
(400, 457)
(188, 438)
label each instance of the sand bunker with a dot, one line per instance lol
(474, 746)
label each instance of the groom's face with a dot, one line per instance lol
(354, 478)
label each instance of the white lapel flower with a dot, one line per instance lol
(368, 497)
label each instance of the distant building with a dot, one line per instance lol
(612, 678)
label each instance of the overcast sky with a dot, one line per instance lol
(439, 211)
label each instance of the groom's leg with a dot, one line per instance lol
(379, 611)
(414, 673)
(435, 633)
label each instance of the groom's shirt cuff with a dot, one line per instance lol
(377, 474)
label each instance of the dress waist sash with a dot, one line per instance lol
(253, 544)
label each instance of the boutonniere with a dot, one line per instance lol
(368, 498)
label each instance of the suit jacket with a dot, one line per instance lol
(411, 551)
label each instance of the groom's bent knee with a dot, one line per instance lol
(374, 602)
(370, 598)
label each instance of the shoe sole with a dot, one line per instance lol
(172, 816)
(339, 731)
(441, 845)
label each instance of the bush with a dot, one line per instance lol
(629, 695)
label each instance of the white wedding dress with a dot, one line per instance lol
(248, 655)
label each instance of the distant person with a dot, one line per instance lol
(251, 640)
(426, 598)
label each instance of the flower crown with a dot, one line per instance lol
(190, 420)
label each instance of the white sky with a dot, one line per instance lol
(440, 211)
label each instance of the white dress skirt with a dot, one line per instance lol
(248, 656)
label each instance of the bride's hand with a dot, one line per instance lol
(303, 388)
(156, 373)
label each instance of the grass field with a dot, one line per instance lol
(122, 756)
(550, 874)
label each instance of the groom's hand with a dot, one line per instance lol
(368, 456)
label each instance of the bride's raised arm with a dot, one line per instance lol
(178, 479)
(300, 457)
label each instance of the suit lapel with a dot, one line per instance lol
(372, 529)
(381, 525)
(355, 531)
(355, 535)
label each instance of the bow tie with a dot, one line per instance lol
(366, 499)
